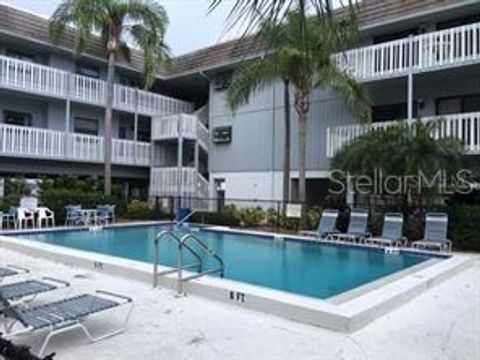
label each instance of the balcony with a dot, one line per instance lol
(457, 46)
(173, 181)
(27, 142)
(48, 81)
(181, 125)
(464, 127)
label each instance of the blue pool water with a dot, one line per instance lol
(311, 269)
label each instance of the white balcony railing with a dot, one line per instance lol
(44, 80)
(435, 50)
(187, 126)
(178, 182)
(464, 127)
(22, 141)
(32, 77)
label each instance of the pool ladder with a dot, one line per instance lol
(183, 246)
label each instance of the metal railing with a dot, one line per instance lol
(464, 127)
(180, 266)
(434, 50)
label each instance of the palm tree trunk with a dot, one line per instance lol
(302, 110)
(286, 159)
(107, 136)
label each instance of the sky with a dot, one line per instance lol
(190, 29)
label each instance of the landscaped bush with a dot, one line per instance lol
(140, 210)
(224, 218)
(251, 217)
(69, 190)
(313, 217)
(465, 226)
(15, 189)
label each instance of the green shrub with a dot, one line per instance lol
(224, 218)
(140, 210)
(251, 217)
(465, 226)
(313, 217)
(57, 199)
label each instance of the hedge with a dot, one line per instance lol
(465, 226)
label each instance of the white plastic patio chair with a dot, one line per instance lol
(45, 216)
(24, 217)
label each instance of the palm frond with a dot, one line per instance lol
(251, 77)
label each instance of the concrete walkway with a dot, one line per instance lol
(443, 323)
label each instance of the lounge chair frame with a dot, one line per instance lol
(321, 232)
(65, 325)
(391, 232)
(436, 226)
(358, 219)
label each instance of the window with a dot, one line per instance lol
(130, 82)
(20, 55)
(86, 126)
(222, 81)
(89, 70)
(392, 112)
(458, 22)
(17, 118)
(458, 104)
(395, 36)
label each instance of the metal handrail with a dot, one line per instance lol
(209, 252)
(159, 237)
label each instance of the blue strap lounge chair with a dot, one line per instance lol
(357, 228)
(436, 227)
(27, 290)
(64, 315)
(391, 232)
(326, 225)
(11, 270)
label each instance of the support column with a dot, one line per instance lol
(135, 135)
(410, 79)
(68, 107)
(179, 160)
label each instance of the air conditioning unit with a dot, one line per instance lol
(222, 135)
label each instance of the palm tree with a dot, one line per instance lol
(303, 57)
(143, 22)
(405, 150)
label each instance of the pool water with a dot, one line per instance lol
(305, 268)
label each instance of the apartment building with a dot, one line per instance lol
(417, 58)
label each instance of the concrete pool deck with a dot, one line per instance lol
(441, 323)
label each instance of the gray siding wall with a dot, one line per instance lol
(258, 127)
(258, 130)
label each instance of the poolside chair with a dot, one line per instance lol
(357, 228)
(74, 215)
(391, 232)
(326, 225)
(106, 213)
(45, 216)
(25, 217)
(10, 218)
(436, 227)
(11, 270)
(27, 290)
(64, 315)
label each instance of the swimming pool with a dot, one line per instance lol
(306, 268)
